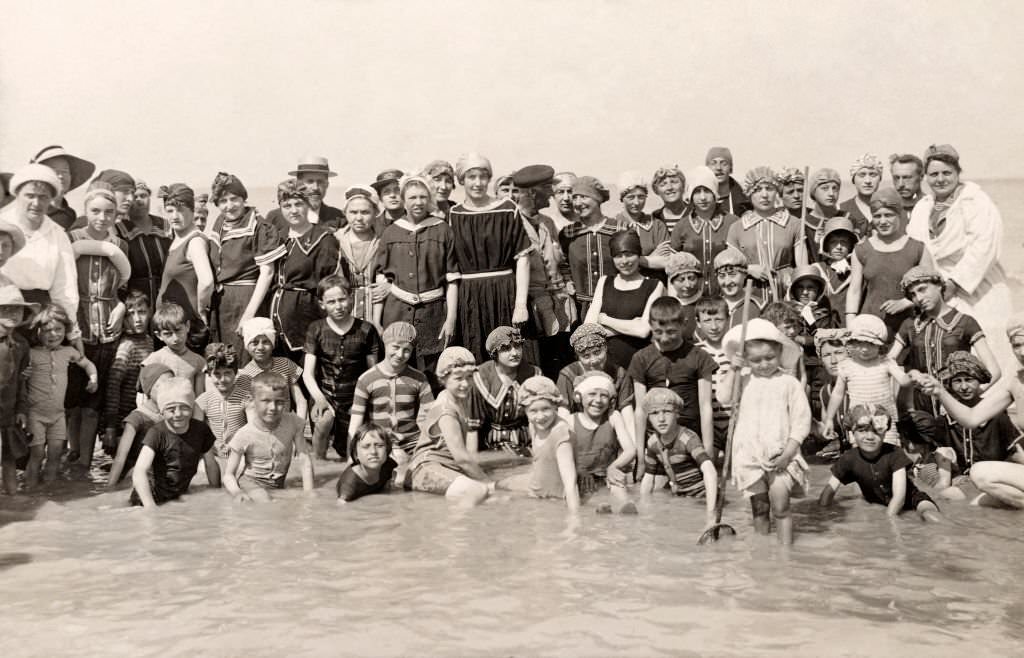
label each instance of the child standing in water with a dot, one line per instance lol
(879, 469)
(14, 363)
(49, 359)
(773, 419)
(135, 345)
(868, 375)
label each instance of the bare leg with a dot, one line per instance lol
(930, 512)
(467, 491)
(779, 493)
(323, 429)
(54, 448)
(1003, 481)
(760, 508)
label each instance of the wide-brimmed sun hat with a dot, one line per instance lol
(760, 329)
(81, 169)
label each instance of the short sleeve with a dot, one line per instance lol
(374, 345)
(203, 401)
(517, 235)
(565, 388)
(695, 447)
(361, 395)
(842, 470)
(240, 441)
(154, 438)
(651, 456)
(267, 243)
(904, 333)
(451, 259)
(313, 339)
(208, 439)
(350, 486)
(899, 460)
(972, 330)
(638, 366)
(705, 364)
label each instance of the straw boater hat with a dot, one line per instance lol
(17, 237)
(313, 164)
(81, 170)
(760, 329)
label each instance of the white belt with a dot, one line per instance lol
(487, 275)
(414, 298)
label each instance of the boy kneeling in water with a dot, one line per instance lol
(267, 442)
(880, 469)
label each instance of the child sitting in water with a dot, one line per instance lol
(138, 422)
(49, 358)
(393, 395)
(879, 469)
(496, 403)
(676, 454)
(602, 447)
(442, 464)
(223, 406)
(868, 375)
(553, 473)
(171, 328)
(260, 337)
(372, 468)
(266, 443)
(172, 448)
(933, 466)
(772, 421)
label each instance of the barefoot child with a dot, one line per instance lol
(223, 407)
(553, 473)
(878, 468)
(49, 359)
(171, 328)
(868, 375)
(372, 468)
(138, 422)
(676, 454)
(173, 448)
(265, 445)
(441, 463)
(260, 336)
(14, 364)
(393, 395)
(339, 348)
(602, 446)
(773, 419)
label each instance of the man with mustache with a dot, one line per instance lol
(313, 173)
(906, 170)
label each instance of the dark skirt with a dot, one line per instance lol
(228, 306)
(428, 319)
(293, 311)
(484, 304)
(102, 356)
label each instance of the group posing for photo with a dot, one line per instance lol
(735, 332)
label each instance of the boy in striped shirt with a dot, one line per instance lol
(393, 395)
(223, 406)
(712, 314)
(260, 336)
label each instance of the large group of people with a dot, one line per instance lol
(412, 334)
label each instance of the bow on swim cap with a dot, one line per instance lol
(759, 175)
(867, 161)
(537, 388)
(662, 398)
(588, 335)
(873, 417)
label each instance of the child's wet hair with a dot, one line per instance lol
(271, 380)
(667, 310)
(169, 316)
(711, 306)
(332, 281)
(47, 314)
(370, 428)
(136, 297)
(220, 355)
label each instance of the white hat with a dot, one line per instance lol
(868, 328)
(313, 164)
(700, 177)
(760, 329)
(36, 172)
(81, 169)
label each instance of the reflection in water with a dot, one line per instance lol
(408, 574)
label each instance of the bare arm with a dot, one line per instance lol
(567, 470)
(834, 400)
(140, 477)
(854, 292)
(988, 359)
(707, 425)
(997, 400)
(639, 327)
(263, 281)
(899, 492)
(625, 445)
(519, 312)
(595, 305)
(212, 469)
(828, 492)
(309, 379)
(710, 475)
(199, 256)
(456, 444)
(124, 447)
(451, 303)
(230, 475)
(897, 373)
(640, 436)
(300, 400)
(305, 462)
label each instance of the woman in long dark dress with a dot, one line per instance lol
(491, 246)
(311, 253)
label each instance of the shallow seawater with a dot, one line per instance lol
(409, 574)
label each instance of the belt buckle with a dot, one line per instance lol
(415, 299)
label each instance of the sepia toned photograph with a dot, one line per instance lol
(512, 328)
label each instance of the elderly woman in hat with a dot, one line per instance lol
(999, 473)
(73, 172)
(768, 236)
(492, 248)
(188, 277)
(703, 229)
(866, 175)
(936, 331)
(963, 231)
(249, 248)
(622, 302)
(586, 242)
(311, 253)
(880, 260)
(44, 269)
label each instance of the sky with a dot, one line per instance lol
(176, 91)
